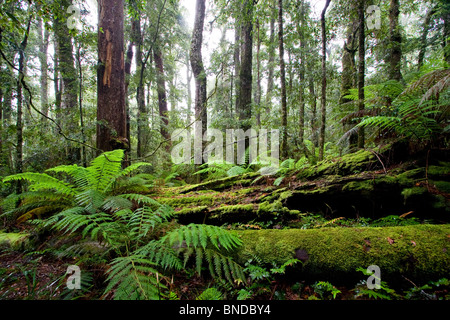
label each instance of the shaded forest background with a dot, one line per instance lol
(273, 65)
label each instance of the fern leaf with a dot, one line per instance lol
(42, 181)
(133, 277)
(105, 168)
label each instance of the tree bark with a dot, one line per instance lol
(56, 84)
(200, 79)
(237, 62)
(323, 99)
(188, 87)
(142, 115)
(313, 121)
(43, 36)
(301, 112)
(69, 90)
(271, 65)
(361, 67)
(19, 120)
(162, 96)
(283, 144)
(348, 78)
(245, 74)
(258, 76)
(395, 41)
(111, 111)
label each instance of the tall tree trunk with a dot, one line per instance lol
(162, 95)
(127, 66)
(19, 120)
(43, 36)
(237, 62)
(142, 115)
(56, 83)
(283, 144)
(200, 79)
(323, 100)
(80, 104)
(69, 82)
(245, 75)
(111, 111)
(395, 41)
(258, 76)
(348, 79)
(301, 112)
(313, 121)
(188, 87)
(270, 66)
(361, 67)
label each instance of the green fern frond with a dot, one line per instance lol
(134, 278)
(105, 168)
(42, 182)
(80, 175)
(210, 294)
(236, 171)
(161, 254)
(207, 242)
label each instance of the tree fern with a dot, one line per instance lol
(92, 188)
(134, 278)
(420, 112)
(92, 207)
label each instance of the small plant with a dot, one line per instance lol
(437, 290)
(210, 294)
(394, 220)
(262, 278)
(384, 292)
(325, 290)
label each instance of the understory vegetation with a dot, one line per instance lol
(348, 201)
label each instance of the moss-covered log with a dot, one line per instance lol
(361, 184)
(420, 251)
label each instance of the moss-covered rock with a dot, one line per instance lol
(416, 251)
(348, 164)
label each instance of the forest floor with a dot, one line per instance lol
(406, 204)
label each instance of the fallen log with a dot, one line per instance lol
(419, 251)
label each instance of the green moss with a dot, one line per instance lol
(347, 164)
(13, 240)
(366, 185)
(232, 213)
(192, 211)
(420, 250)
(190, 199)
(443, 169)
(410, 192)
(443, 186)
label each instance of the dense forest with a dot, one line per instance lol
(225, 150)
